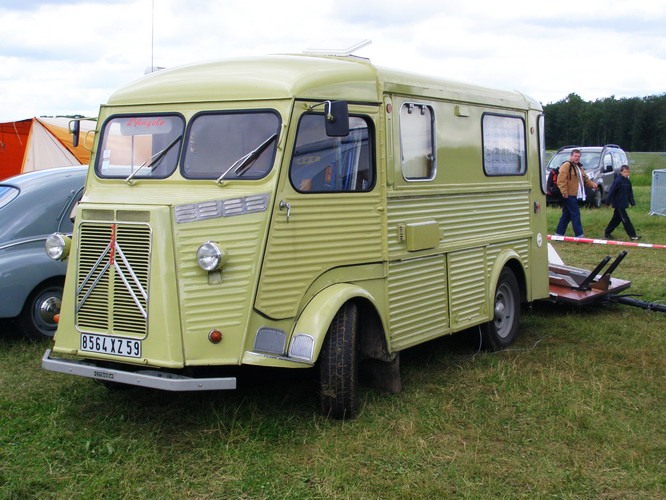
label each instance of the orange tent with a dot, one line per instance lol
(40, 143)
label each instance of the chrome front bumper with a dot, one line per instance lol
(144, 378)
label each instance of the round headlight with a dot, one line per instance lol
(57, 246)
(210, 257)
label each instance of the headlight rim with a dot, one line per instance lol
(60, 242)
(216, 253)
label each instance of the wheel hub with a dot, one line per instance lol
(49, 308)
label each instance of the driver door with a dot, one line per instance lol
(328, 210)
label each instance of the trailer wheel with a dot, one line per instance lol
(501, 331)
(37, 318)
(339, 365)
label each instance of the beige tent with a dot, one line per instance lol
(41, 143)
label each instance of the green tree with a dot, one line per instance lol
(634, 123)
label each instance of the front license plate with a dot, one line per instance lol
(129, 348)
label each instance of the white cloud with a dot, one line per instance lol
(68, 57)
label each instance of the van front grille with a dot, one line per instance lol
(112, 287)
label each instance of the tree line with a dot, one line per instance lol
(633, 123)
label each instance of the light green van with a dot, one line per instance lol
(295, 212)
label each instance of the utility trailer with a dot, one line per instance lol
(573, 285)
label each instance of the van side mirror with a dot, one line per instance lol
(75, 129)
(337, 118)
(609, 168)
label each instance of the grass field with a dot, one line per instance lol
(575, 409)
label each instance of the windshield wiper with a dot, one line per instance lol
(155, 159)
(243, 163)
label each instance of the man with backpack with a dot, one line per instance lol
(571, 182)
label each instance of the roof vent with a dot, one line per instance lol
(336, 47)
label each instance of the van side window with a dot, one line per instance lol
(417, 149)
(323, 164)
(503, 145)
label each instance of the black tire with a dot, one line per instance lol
(502, 330)
(338, 377)
(37, 318)
(595, 202)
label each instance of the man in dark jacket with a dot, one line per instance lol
(621, 195)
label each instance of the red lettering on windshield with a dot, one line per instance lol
(145, 123)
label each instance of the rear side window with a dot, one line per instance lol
(608, 160)
(504, 151)
(7, 194)
(323, 164)
(619, 159)
(417, 142)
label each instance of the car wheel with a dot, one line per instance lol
(37, 318)
(339, 365)
(501, 331)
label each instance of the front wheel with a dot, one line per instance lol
(596, 198)
(502, 330)
(339, 365)
(37, 320)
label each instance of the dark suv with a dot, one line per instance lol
(601, 164)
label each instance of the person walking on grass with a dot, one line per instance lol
(621, 195)
(572, 181)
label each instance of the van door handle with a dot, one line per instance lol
(283, 205)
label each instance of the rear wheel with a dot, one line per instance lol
(339, 365)
(501, 331)
(37, 320)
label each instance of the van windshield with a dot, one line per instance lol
(145, 146)
(231, 145)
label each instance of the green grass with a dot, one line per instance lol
(575, 409)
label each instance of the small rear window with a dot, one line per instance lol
(7, 194)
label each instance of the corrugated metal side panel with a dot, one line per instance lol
(477, 218)
(468, 287)
(461, 216)
(323, 232)
(418, 307)
(521, 247)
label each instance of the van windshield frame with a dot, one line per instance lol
(131, 144)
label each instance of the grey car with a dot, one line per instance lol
(601, 164)
(32, 206)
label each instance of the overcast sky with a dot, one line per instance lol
(67, 57)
